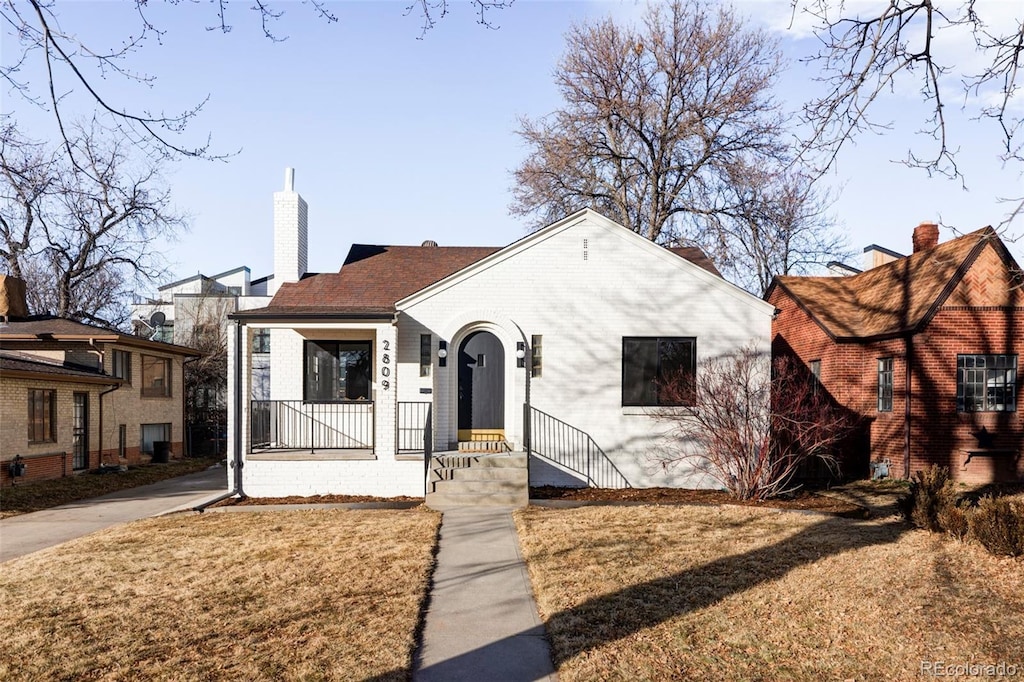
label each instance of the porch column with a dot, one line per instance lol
(238, 362)
(385, 382)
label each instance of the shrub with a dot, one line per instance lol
(930, 490)
(952, 513)
(998, 524)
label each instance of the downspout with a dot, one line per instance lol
(237, 455)
(908, 348)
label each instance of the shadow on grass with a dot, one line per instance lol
(617, 615)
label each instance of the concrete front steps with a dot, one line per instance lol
(478, 480)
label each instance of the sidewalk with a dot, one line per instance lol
(481, 622)
(27, 533)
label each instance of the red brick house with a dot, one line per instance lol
(924, 348)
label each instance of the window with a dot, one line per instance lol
(152, 433)
(122, 440)
(885, 384)
(156, 377)
(261, 341)
(650, 363)
(122, 365)
(536, 355)
(425, 344)
(986, 383)
(337, 370)
(42, 416)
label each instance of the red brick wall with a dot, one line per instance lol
(938, 433)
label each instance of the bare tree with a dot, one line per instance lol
(81, 233)
(658, 126)
(71, 64)
(781, 227)
(869, 52)
(751, 423)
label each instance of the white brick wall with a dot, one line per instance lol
(383, 477)
(583, 307)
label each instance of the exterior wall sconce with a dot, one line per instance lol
(520, 354)
(442, 353)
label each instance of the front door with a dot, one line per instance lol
(481, 388)
(80, 432)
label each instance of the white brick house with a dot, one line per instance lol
(551, 345)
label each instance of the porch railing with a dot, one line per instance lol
(411, 426)
(300, 425)
(572, 449)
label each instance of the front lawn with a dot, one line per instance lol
(311, 595)
(657, 593)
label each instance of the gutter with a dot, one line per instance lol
(100, 400)
(236, 462)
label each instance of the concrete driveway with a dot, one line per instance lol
(20, 535)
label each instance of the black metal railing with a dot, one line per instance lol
(411, 425)
(300, 425)
(572, 449)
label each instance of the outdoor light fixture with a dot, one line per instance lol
(442, 353)
(520, 354)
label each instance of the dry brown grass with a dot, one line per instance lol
(659, 593)
(311, 595)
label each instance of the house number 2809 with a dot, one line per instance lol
(385, 370)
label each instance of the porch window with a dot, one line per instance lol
(261, 341)
(986, 383)
(426, 344)
(885, 384)
(649, 364)
(336, 371)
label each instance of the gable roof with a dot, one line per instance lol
(53, 328)
(898, 297)
(374, 278)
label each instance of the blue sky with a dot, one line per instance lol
(397, 140)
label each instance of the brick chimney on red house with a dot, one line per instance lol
(926, 235)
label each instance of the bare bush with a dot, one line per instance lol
(751, 423)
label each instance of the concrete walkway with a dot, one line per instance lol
(481, 622)
(26, 533)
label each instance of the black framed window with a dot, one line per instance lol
(337, 370)
(986, 383)
(261, 341)
(885, 384)
(42, 415)
(650, 363)
(426, 344)
(536, 355)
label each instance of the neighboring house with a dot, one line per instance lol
(554, 344)
(73, 395)
(185, 311)
(923, 347)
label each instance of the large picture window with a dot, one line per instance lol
(42, 416)
(650, 363)
(986, 383)
(337, 370)
(156, 377)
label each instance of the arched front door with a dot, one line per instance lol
(481, 388)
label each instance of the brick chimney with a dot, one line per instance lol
(12, 298)
(926, 235)
(290, 229)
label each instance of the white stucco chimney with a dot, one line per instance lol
(290, 233)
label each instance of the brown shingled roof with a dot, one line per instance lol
(18, 364)
(374, 278)
(891, 298)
